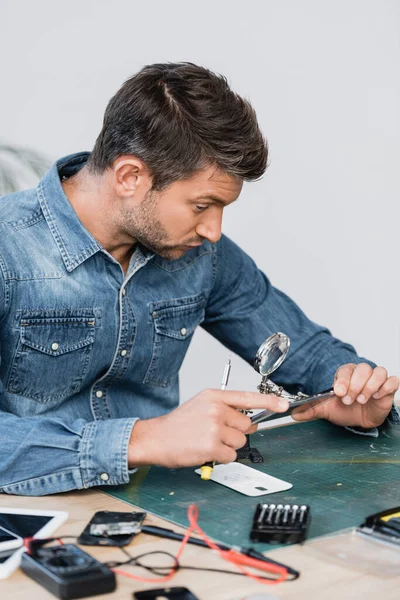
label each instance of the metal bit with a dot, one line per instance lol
(286, 509)
(270, 513)
(278, 513)
(303, 510)
(295, 508)
(262, 513)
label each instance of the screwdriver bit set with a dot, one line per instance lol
(280, 523)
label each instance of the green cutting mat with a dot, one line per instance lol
(342, 476)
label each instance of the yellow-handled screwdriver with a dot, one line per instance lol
(207, 468)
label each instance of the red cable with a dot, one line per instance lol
(231, 556)
(27, 544)
(235, 557)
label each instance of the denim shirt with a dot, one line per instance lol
(86, 350)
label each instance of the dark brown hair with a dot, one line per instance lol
(179, 118)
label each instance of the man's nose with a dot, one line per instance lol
(210, 228)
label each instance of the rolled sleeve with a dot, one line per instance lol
(49, 456)
(104, 452)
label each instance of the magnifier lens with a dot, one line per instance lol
(271, 353)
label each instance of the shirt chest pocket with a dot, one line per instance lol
(52, 354)
(173, 322)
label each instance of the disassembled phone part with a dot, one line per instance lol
(109, 528)
(109, 523)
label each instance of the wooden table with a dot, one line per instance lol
(319, 579)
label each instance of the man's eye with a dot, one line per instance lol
(200, 207)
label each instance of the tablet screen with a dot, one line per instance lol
(7, 536)
(24, 525)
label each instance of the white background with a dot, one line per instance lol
(324, 79)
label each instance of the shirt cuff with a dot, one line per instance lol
(104, 452)
(394, 415)
(373, 432)
(393, 418)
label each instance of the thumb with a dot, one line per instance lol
(307, 412)
(303, 415)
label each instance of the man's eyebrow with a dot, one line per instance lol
(209, 197)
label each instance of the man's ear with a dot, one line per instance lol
(131, 177)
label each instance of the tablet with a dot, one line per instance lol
(8, 540)
(25, 522)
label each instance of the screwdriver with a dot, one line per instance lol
(208, 467)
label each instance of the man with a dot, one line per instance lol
(106, 270)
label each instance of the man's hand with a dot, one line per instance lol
(206, 428)
(364, 397)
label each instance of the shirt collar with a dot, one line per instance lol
(74, 241)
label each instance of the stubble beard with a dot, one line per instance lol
(146, 228)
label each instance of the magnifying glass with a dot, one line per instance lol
(271, 354)
(269, 357)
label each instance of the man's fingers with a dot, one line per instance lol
(389, 387)
(249, 400)
(307, 414)
(240, 421)
(226, 455)
(361, 375)
(373, 385)
(304, 415)
(237, 420)
(342, 379)
(233, 438)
